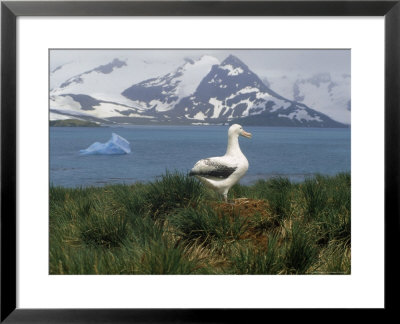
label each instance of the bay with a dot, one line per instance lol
(292, 152)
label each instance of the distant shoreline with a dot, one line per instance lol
(85, 123)
(73, 123)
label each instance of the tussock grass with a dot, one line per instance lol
(206, 224)
(263, 260)
(177, 226)
(173, 190)
(299, 250)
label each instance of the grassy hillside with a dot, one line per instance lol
(177, 226)
(73, 123)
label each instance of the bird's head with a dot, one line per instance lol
(236, 130)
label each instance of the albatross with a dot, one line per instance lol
(222, 172)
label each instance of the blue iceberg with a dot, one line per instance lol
(116, 145)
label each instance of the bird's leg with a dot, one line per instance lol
(226, 199)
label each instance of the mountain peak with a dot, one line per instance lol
(234, 61)
(203, 60)
(108, 68)
(200, 90)
(105, 69)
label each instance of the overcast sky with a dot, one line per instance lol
(263, 62)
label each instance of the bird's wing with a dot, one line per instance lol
(217, 167)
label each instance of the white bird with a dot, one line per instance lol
(222, 172)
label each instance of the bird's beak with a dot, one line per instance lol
(245, 134)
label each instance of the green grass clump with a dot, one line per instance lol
(315, 196)
(163, 257)
(105, 223)
(266, 260)
(336, 259)
(278, 193)
(177, 226)
(205, 224)
(300, 252)
(333, 226)
(173, 190)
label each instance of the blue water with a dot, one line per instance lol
(292, 152)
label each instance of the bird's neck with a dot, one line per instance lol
(233, 146)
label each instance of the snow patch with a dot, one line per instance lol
(139, 116)
(232, 70)
(64, 102)
(246, 90)
(280, 104)
(300, 115)
(218, 106)
(161, 106)
(200, 116)
(56, 116)
(262, 95)
(193, 73)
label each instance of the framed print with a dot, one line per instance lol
(118, 203)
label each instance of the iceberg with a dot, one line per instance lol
(116, 145)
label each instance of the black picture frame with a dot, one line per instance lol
(10, 10)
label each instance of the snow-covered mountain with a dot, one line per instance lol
(232, 92)
(201, 91)
(109, 90)
(163, 93)
(329, 93)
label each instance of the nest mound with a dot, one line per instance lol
(256, 214)
(244, 207)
